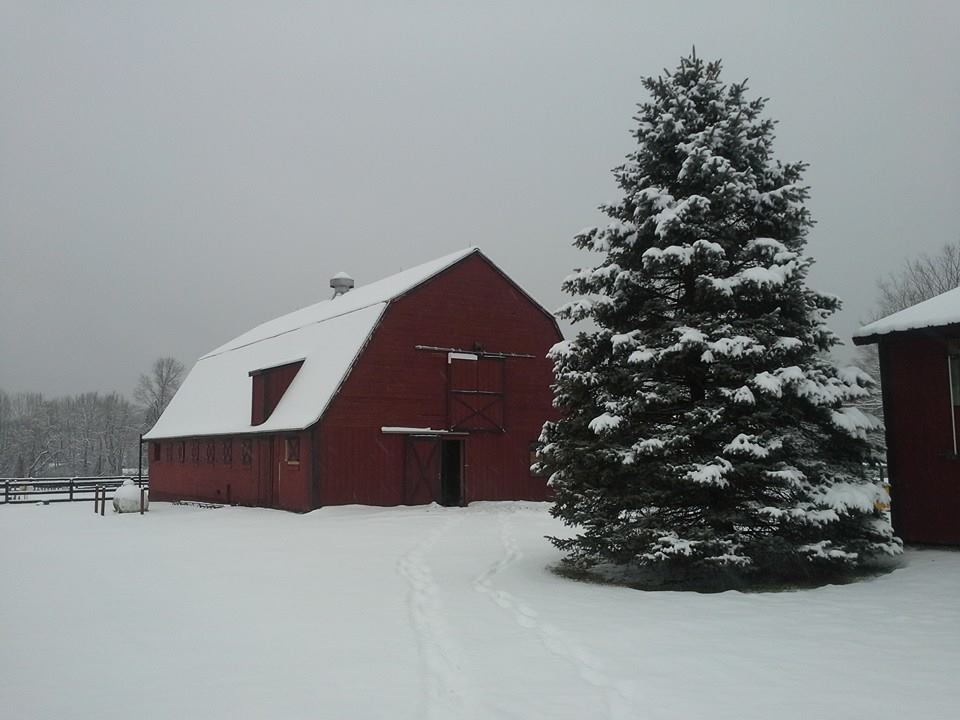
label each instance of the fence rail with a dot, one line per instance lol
(59, 489)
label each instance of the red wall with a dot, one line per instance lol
(394, 384)
(924, 472)
(268, 480)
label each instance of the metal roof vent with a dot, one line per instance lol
(341, 283)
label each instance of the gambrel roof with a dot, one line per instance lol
(939, 311)
(215, 398)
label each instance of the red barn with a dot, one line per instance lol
(920, 376)
(427, 386)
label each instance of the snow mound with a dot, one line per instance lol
(127, 498)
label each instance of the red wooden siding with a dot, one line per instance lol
(268, 387)
(924, 472)
(393, 384)
(267, 480)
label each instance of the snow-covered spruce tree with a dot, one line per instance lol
(704, 426)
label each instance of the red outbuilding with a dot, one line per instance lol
(427, 386)
(919, 352)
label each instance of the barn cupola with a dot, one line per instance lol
(341, 284)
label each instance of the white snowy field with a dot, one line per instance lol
(433, 613)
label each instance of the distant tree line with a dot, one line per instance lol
(87, 434)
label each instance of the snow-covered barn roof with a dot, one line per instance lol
(328, 336)
(944, 309)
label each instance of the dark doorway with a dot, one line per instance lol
(266, 473)
(451, 473)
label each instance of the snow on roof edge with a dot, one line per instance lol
(938, 311)
(384, 289)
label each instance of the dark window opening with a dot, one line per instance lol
(211, 451)
(268, 387)
(953, 372)
(246, 452)
(182, 451)
(168, 451)
(226, 452)
(195, 451)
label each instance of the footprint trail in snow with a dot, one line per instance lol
(448, 693)
(620, 694)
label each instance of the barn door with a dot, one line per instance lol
(266, 473)
(475, 387)
(421, 472)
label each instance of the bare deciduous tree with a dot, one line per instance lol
(86, 434)
(155, 390)
(920, 279)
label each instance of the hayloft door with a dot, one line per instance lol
(266, 472)
(421, 470)
(475, 389)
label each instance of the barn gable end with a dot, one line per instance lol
(470, 307)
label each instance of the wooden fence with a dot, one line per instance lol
(62, 489)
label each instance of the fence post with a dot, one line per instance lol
(71, 489)
(142, 491)
(96, 498)
(103, 501)
(6, 491)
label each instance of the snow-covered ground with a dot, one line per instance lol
(433, 613)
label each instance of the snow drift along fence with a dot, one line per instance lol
(63, 489)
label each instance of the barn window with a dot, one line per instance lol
(168, 451)
(246, 452)
(182, 451)
(292, 454)
(211, 451)
(953, 370)
(226, 452)
(195, 451)
(269, 385)
(156, 452)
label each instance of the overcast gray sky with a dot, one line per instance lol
(173, 173)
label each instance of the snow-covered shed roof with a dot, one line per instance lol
(944, 309)
(215, 398)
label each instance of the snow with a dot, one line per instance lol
(711, 473)
(744, 444)
(427, 612)
(944, 309)
(604, 423)
(215, 397)
(854, 421)
(844, 496)
(400, 430)
(127, 498)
